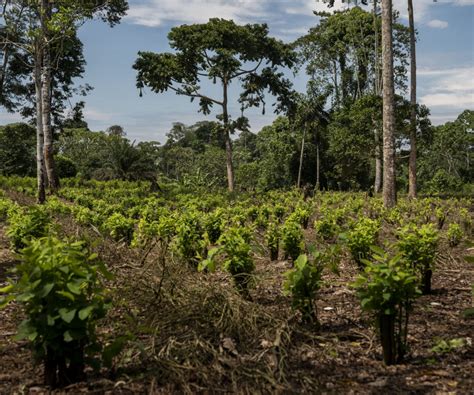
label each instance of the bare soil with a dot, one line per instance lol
(272, 352)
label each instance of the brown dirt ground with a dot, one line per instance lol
(342, 357)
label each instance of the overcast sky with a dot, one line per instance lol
(445, 58)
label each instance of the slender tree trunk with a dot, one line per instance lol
(389, 186)
(46, 82)
(40, 167)
(300, 168)
(378, 163)
(3, 73)
(412, 184)
(377, 92)
(317, 167)
(228, 142)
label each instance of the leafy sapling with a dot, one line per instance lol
(60, 289)
(418, 246)
(387, 288)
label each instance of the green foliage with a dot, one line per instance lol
(213, 224)
(27, 224)
(361, 238)
(65, 167)
(7, 208)
(445, 160)
(63, 298)
(326, 227)
(292, 239)
(303, 283)
(188, 237)
(454, 234)
(301, 215)
(387, 288)
(234, 246)
(17, 153)
(446, 346)
(272, 239)
(418, 246)
(119, 227)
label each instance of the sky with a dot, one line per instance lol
(445, 58)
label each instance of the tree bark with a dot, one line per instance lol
(377, 92)
(53, 181)
(378, 163)
(300, 168)
(387, 337)
(318, 165)
(228, 142)
(389, 186)
(40, 167)
(412, 184)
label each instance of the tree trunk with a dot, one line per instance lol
(40, 166)
(300, 168)
(317, 168)
(53, 180)
(389, 186)
(378, 163)
(412, 187)
(228, 142)
(377, 92)
(387, 338)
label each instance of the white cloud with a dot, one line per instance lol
(438, 24)
(448, 88)
(92, 114)
(8, 117)
(154, 13)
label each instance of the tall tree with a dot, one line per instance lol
(49, 23)
(221, 51)
(412, 184)
(389, 186)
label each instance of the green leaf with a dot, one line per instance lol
(46, 290)
(6, 289)
(377, 250)
(67, 337)
(26, 331)
(25, 297)
(67, 315)
(51, 320)
(4, 301)
(75, 287)
(85, 312)
(66, 294)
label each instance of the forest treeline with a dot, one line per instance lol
(193, 156)
(329, 137)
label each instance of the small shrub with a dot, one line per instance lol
(62, 296)
(235, 247)
(292, 239)
(272, 238)
(188, 238)
(213, 224)
(303, 283)
(387, 288)
(27, 224)
(300, 215)
(418, 246)
(119, 227)
(326, 227)
(454, 234)
(361, 238)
